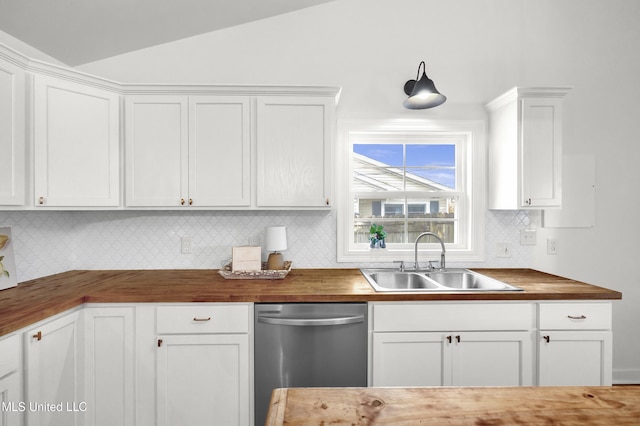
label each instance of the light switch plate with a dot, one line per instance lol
(503, 250)
(528, 237)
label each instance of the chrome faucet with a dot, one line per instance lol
(424, 234)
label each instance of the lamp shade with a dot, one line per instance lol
(276, 238)
(422, 93)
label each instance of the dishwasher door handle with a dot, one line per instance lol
(306, 322)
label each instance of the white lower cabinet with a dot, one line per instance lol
(203, 379)
(452, 359)
(191, 363)
(500, 356)
(109, 339)
(11, 401)
(575, 344)
(203, 365)
(53, 368)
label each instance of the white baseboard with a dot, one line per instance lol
(630, 376)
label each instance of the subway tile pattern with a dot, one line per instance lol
(50, 242)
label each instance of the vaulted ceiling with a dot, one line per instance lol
(76, 32)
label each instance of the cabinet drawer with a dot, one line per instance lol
(452, 316)
(198, 318)
(9, 354)
(574, 316)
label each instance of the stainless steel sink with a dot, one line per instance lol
(450, 280)
(393, 281)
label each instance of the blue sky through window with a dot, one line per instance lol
(435, 162)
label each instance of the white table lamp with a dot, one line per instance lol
(275, 241)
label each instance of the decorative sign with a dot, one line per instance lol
(8, 276)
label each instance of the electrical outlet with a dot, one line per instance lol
(552, 246)
(503, 250)
(528, 237)
(185, 245)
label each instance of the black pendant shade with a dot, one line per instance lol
(422, 93)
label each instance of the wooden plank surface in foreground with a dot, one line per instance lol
(618, 405)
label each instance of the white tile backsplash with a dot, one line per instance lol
(52, 242)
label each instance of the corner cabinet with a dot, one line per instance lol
(525, 148)
(76, 136)
(294, 144)
(439, 344)
(187, 151)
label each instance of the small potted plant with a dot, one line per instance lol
(377, 236)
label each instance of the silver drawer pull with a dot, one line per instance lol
(201, 319)
(580, 317)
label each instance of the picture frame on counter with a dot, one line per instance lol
(8, 275)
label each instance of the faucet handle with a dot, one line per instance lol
(401, 262)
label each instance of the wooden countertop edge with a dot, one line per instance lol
(597, 405)
(277, 407)
(27, 304)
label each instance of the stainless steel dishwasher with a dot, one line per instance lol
(308, 345)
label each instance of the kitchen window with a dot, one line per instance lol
(411, 176)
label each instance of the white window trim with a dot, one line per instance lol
(474, 131)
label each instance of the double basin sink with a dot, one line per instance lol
(449, 280)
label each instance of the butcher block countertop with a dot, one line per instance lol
(35, 300)
(579, 406)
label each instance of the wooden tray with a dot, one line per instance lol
(264, 274)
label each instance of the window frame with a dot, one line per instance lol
(473, 136)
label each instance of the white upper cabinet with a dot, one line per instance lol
(76, 131)
(219, 150)
(188, 151)
(12, 134)
(525, 148)
(294, 141)
(185, 146)
(156, 150)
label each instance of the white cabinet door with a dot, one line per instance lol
(574, 358)
(188, 151)
(541, 156)
(452, 359)
(53, 360)
(203, 379)
(157, 156)
(11, 402)
(12, 135)
(109, 365)
(525, 148)
(410, 359)
(12, 405)
(76, 144)
(219, 151)
(492, 358)
(294, 151)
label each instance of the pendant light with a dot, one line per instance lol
(422, 92)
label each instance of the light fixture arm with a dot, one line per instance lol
(424, 69)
